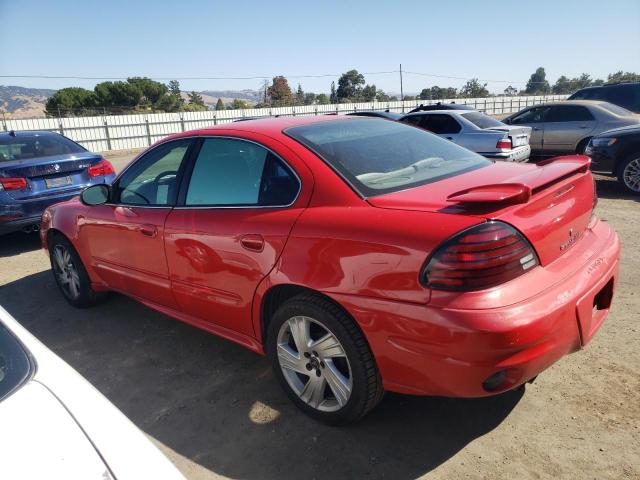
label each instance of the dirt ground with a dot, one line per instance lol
(216, 411)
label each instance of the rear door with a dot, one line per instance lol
(125, 237)
(442, 124)
(234, 218)
(564, 127)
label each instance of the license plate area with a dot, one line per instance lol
(55, 182)
(519, 141)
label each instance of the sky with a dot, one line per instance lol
(501, 42)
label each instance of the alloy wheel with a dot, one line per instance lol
(631, 175)
(66, 272)
(314, 363)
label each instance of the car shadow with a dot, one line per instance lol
(608, 187)
(219, 405)
(16, 243)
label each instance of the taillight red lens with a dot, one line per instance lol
(13, 183)
(101, 169)
(481, 257)
(505, 143)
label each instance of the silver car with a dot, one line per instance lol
(566, 127)
(476, 131)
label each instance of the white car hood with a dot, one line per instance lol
(40, 439)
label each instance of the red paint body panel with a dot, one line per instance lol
(213, 267)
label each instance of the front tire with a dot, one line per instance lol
(322, 360)
(629, 175)
(70, 275)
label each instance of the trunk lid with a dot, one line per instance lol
(519, 135)
(46, 175)
(550, 203)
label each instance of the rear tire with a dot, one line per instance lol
(70, 275)
(629, 174)
(322, 360)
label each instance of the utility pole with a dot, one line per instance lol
(401, 90)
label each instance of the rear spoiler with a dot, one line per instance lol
(548, 172)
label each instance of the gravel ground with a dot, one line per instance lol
(216, 411)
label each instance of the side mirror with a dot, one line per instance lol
(507, 121)
(95, 194)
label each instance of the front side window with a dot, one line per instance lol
(533, 115)
(378, 156)
(15, 366)
(153, 179)
(234, 172)
(568, 113)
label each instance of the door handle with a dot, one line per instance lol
(252, 242)
(149, 230)
(449, 138)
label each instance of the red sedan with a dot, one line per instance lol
(361, 255)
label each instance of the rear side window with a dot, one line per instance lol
(568, 113)
(230, 172)
(377, 156)
(23, 147)
(15, 367)
(440, 124)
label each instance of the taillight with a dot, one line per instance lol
(100, 169)
(480, 257)
(13, 183)
(504, 143)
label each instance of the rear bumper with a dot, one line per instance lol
(450, 351)
(17, 225)
(520, 154)
(602, 159)
(28, 212)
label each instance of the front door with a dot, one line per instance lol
(534, 118)
(125, 238)
(230, 227)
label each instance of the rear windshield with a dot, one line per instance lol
(15, 366)
(34, 146)
(481, 120)
(377, 156)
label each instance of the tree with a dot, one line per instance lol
(196, 99)
(474, 89)
(322, 99)
(239, 104)
(118, 96)
(194, 107)
(299, 96)
(438, 93)
(369, 93)
(381, 96)
(538, 83)
(410, 97)
(562, 86)
(510, 91)
(350, 86)
(176, 93)
(280, 94)
(219, 104)
(71, 101)
(620, 76)
(151, 90)
(333, 96)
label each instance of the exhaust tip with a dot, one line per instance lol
(495, 381)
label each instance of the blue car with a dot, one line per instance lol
(38, 169)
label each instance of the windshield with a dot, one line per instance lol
(377, 156)
(14, 363)
(481, 120)
(23, 147)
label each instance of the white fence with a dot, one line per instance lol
(120, 132)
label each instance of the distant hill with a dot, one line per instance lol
(22, 102)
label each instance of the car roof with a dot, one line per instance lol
(612, 85)
(584, 103)
(29, 133)
(272, 125)
(448, 112)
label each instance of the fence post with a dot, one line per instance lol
(60, 126)
(182, 122)
(146, 121)
(4, 122)
(106, 132)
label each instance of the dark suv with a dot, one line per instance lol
(626, 95)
